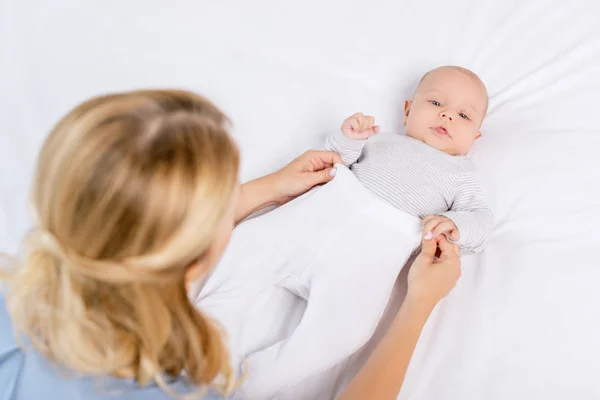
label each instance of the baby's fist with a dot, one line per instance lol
(438, 225)
(359, 127)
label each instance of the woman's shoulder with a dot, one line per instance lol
(26, 375)
(8, 345)
(12, 359)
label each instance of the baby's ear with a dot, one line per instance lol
(407, 105)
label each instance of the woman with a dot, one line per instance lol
(136, 195)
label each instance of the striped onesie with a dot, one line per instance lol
(420, 180)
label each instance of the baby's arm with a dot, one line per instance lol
(350, 140)
(350, 150)
(470, 214)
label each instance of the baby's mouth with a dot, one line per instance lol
(441, 131)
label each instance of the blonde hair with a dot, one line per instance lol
(129, 191)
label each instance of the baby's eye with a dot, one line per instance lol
(435, 103)
(463, 116)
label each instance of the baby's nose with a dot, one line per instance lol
(445, 115)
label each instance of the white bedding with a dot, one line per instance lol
(523, 322)
(301, 290)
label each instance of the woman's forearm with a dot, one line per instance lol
(310, 169)
(254, 196)
(383, 374)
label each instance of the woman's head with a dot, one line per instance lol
(133, 191)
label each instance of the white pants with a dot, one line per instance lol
(301, 289)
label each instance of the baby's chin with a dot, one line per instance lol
(439, 144)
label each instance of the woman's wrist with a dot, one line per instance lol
(383, 374)
(412, 316)
(273, 187)
(256, 195)
(268, 188)
(419, 304)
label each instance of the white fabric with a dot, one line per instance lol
(421, 180)
(523, 322)
(339, 249)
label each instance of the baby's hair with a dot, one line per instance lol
(129, 191)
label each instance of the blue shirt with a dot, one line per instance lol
(26, 375)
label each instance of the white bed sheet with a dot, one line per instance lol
(523, 322)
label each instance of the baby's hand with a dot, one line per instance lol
(359, 127)
(438, 224)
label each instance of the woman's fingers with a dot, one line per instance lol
(316, 160)
(428, 247)
(430, 278)
(431, 224)
(319, 177)
(448, 248)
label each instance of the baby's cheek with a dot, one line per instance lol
(464, 145)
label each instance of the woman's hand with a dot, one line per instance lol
(441, 225)
(429, 280)
(310, 169)
(432, 277)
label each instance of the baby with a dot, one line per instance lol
(426, 173)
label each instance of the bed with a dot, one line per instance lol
(523, 322)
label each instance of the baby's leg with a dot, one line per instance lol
(348, 287)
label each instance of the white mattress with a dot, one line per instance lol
(523, 322)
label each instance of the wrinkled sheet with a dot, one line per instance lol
(523, 321)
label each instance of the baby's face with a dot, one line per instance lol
(447, 110)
